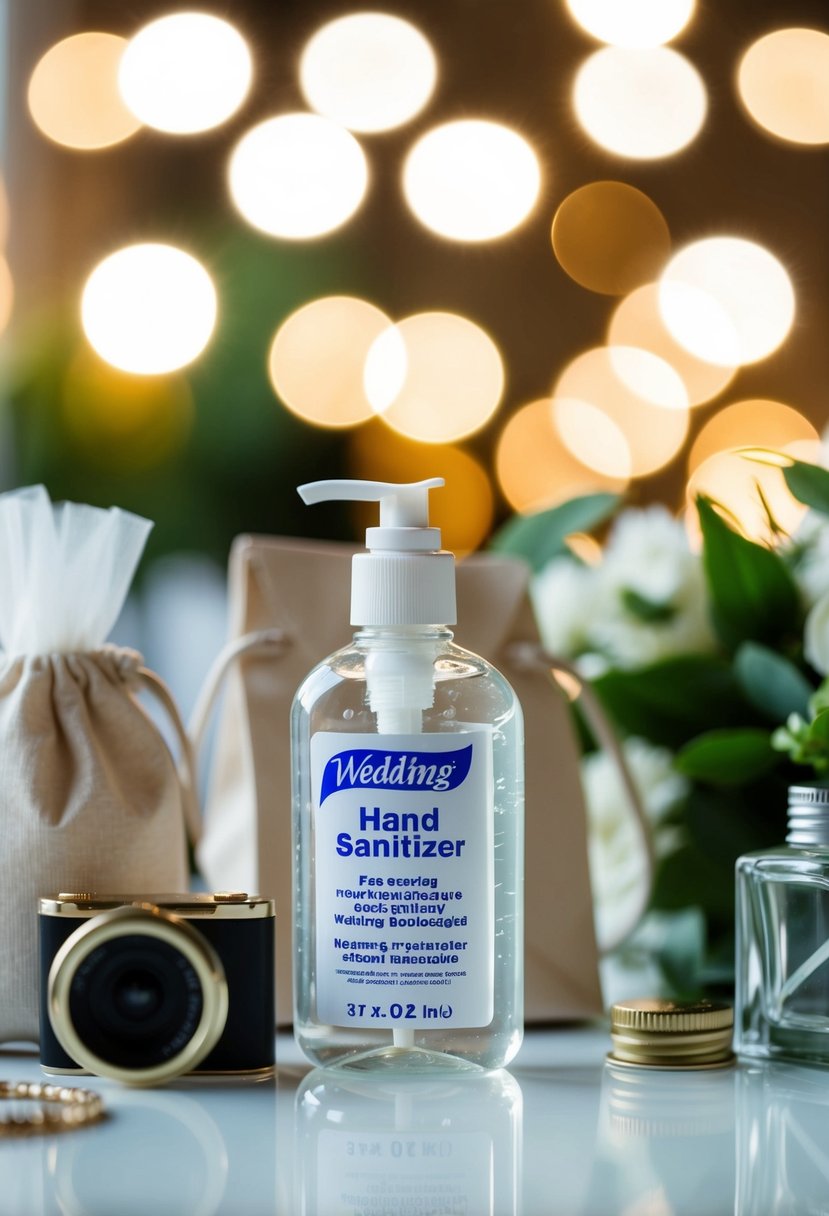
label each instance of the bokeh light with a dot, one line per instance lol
(637, 321)
(124, 422)
(317, 359)
(297, 176)
(149, 308)
(435, 377)
(585, 547)
(727, 300)
(621, 411)
(534, 468)
(462, 509)
(73, 93)
(641, 104)
(471, 180)
(755, 423)
(368, 71)
(185, 72)
(610, 237)
(783, 82)
(740, 486)
(632, 23)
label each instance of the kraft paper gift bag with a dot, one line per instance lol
(289, 608)
(90, 798)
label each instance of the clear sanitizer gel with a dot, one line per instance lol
(408, 820)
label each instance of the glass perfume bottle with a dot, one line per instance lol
(782, 981)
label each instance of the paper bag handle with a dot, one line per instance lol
(186, 766)
(260, 643)
(532, 656)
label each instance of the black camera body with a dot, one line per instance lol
(143, 988)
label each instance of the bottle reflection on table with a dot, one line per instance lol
(388, 1145)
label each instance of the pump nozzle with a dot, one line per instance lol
(402, 506)
(404, 579)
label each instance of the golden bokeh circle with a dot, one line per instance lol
(462, 509)
(73, 93)
(610, 237)
(620, 410)
(637, 321)
(535, 469)
(435, 377)
(783, 82)
(753, 423)
(317, 359)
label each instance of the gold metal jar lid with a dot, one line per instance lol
(658, 1033)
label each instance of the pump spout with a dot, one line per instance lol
(402, 505)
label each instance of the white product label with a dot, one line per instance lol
(403, 836)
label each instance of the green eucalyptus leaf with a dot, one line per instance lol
(819, 729)
(671, 701)
(809, 483)
(727, 757)
(540, 537)
(771, 683)
(753, 596)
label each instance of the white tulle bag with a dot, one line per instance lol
(90, 795)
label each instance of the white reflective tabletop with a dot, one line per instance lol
(562, 1132)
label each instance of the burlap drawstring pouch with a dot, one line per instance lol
(90, 795)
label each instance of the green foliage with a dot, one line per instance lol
(540, 537)
(773, 685)
(649, 611)
(810, 484)
(753, 596)
(727, 757)
(675, 699)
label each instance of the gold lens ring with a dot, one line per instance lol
(148, 921)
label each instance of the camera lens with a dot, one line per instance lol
(135, 1001)
(138, 995)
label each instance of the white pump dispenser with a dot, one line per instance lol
(404, 578)
(408, 815)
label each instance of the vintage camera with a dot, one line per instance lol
(143, 988)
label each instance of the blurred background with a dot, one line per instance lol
(541, 249)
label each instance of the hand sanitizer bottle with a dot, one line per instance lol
(408, 820)
(782, 960)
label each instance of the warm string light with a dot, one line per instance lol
(297, 176)
(610, 237)
(73, 93)
(185, 73)
(149, 309)
(317, 360)
(368, 71)
(621, 411)
(640, 104)
(434, 378)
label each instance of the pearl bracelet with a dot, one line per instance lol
(63, 1108)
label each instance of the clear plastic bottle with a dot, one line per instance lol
(408, 845)
(782, 981)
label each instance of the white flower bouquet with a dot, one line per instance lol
(714, 667)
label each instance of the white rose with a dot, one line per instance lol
(618, 863)
(564, 599)
(816, 635)
(648, 555)
(811, 570)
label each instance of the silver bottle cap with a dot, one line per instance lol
(808, 815)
